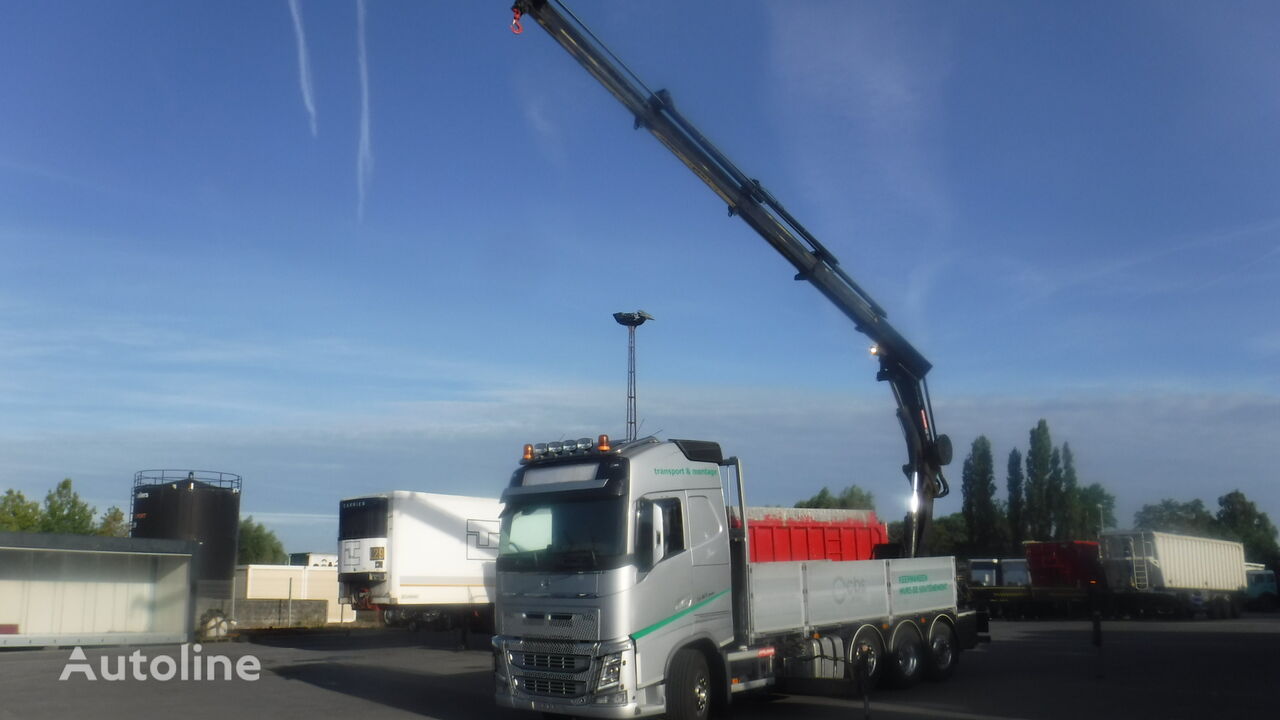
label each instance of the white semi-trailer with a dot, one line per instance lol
(624, 589)
(1150, 571)
(419, 558)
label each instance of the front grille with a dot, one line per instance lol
(552, 661)
(552, 688)
(553, 626)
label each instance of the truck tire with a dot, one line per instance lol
(873, 654)
(943, 653)
(689, 686)
(906, 657)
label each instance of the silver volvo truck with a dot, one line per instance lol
(624, 590)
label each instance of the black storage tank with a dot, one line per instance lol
(197, 505)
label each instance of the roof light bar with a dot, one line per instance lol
(562, 448)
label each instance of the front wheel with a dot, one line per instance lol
(944, 653)
(689, 687)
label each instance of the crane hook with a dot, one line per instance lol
(516, 27)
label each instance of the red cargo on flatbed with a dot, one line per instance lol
(1071, 564)
(782, 534)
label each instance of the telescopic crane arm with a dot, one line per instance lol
(901, 365)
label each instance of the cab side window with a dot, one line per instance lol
(673, 540)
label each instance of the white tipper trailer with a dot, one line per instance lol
(1158, 572)
(421, 559)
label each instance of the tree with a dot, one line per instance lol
(1096, 504)
(112, 523)
(1056, 510)
(1239, 518)
(946, 534)
(1038, 509)
(852, 498)
(65, 512)
(1187, 518)
(978, 508)
(258, 545)
(18, 514)
(1017, 500)
(1072, 518)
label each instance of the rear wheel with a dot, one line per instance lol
(944, 653)
(868, 647)
(689, 687)
(906, 657)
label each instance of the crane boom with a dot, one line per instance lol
(901, 365)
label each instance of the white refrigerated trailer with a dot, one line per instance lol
(419, 558)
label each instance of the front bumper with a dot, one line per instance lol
(566, 677)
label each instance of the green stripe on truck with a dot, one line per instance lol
(663, 623)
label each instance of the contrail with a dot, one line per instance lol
(304, 65)
(364, 156)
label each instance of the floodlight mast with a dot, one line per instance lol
(631, 321)
(901, 365)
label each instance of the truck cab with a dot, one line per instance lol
(608, 564)
(627, 588)
(1260, 587)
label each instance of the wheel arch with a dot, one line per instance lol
(906, 623)
(941, 618)
(857, 630)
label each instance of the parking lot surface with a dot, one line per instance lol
(1032, 669)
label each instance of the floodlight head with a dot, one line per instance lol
(634, 319)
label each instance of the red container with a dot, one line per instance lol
(782, 534)
(1064, 564)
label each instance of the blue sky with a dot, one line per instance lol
(340, 248)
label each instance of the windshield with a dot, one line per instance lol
(560, 534)
(1014, 573)
(982, 573)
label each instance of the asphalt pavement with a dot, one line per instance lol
(1031, 669)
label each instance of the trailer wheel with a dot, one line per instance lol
(689, 687)
(944, 652)
(868, 642)
(906, 656)
(1223, 607)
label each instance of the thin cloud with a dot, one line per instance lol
(884, 100)
(364, 155)
(304, 65)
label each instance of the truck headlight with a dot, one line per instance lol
(610, 672)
